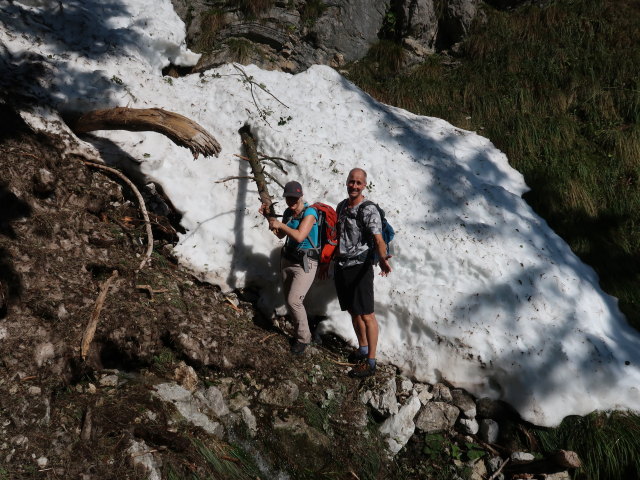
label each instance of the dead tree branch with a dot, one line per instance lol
(90, 331)
(180, 130)
(143, 208)
(257, 169)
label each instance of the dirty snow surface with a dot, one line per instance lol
(483, 293)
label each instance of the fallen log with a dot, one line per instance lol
(181, 130)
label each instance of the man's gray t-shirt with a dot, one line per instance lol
(352, 241)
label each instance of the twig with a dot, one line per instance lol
(268, 157)
(139, 454)
(267, 174)
(354, 475)
(241, 157)
(143, 208)
(268, 337)
(261, 87)
(344, 364)
(497, 472)
(90, 331)
(151, 290)
(242, 177)
(25, 379)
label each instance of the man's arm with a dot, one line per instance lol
(381, 246)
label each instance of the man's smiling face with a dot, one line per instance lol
(356, 183)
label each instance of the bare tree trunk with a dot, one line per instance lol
(181, 130)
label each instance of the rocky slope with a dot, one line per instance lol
(181, 381)
(295, 34)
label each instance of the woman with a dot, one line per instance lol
(299, 260)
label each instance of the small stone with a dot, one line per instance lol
(186, 376)
(441, 393)
(468, 426)
(521, 457)
(33, 390)
(91, 388)
(464, 402)
(109, 381)
(249, 420)
(489, 430)
(42, 462)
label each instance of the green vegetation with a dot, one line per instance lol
(212, 22)
(253, 8)
(555, 86)
(607, 443)
(240, 49)
(311, 11)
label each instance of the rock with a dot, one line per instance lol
(521, 457)
(489, 430)
(44, 183)
(43, 352)
(468, 426)
(249, 420)
(406, 386)
(33, 390)
(186, 376)
(188, 406)
(383, 401)
(143, 462)
(456, 20)
(212, 398)
(441, 393)
(398, 428)
(109, 381)
(423, 393)
(478, 470)
(464, 402)
(436, 417)
(238, 402)
(494, 464)
(418, 20)
(282, 395)
(42, 462)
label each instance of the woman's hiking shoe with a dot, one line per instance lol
(363, 369)
(298, 347)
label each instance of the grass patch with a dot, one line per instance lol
(607, 443)
(240, 50)
(555, 86)
(311, 11)
(252, 9)
(212, 22)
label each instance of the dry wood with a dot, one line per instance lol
(151, 290)
(90, 331)
(268, 337)
(143, 208)
(558, 461)
(497, 472)
(178, 128)
(257, 169)
(87, 425)
(240, 177)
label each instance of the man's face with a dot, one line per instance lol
(356, 183)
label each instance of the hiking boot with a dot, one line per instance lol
(363, 369)
(356, 357)
(298, 347)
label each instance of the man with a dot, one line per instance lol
(358, 241)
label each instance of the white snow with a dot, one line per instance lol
(483, 293)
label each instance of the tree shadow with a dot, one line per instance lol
(64, 29)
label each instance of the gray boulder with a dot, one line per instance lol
(436, 417)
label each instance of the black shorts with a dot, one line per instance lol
(354, 286)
